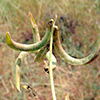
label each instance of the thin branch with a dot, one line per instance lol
(50, 69)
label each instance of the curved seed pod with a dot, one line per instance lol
(28, 47)
(17, 69)
(41, 54)
(35, 30)
(17, 77)
(67, 58)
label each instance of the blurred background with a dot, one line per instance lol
(79, 25)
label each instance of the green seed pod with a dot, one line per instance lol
(41, 54)
(67, 58)
(28, 47)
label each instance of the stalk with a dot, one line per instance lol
(50, 67)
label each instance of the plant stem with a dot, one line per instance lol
(50, 68)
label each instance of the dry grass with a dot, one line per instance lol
(80, 31)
